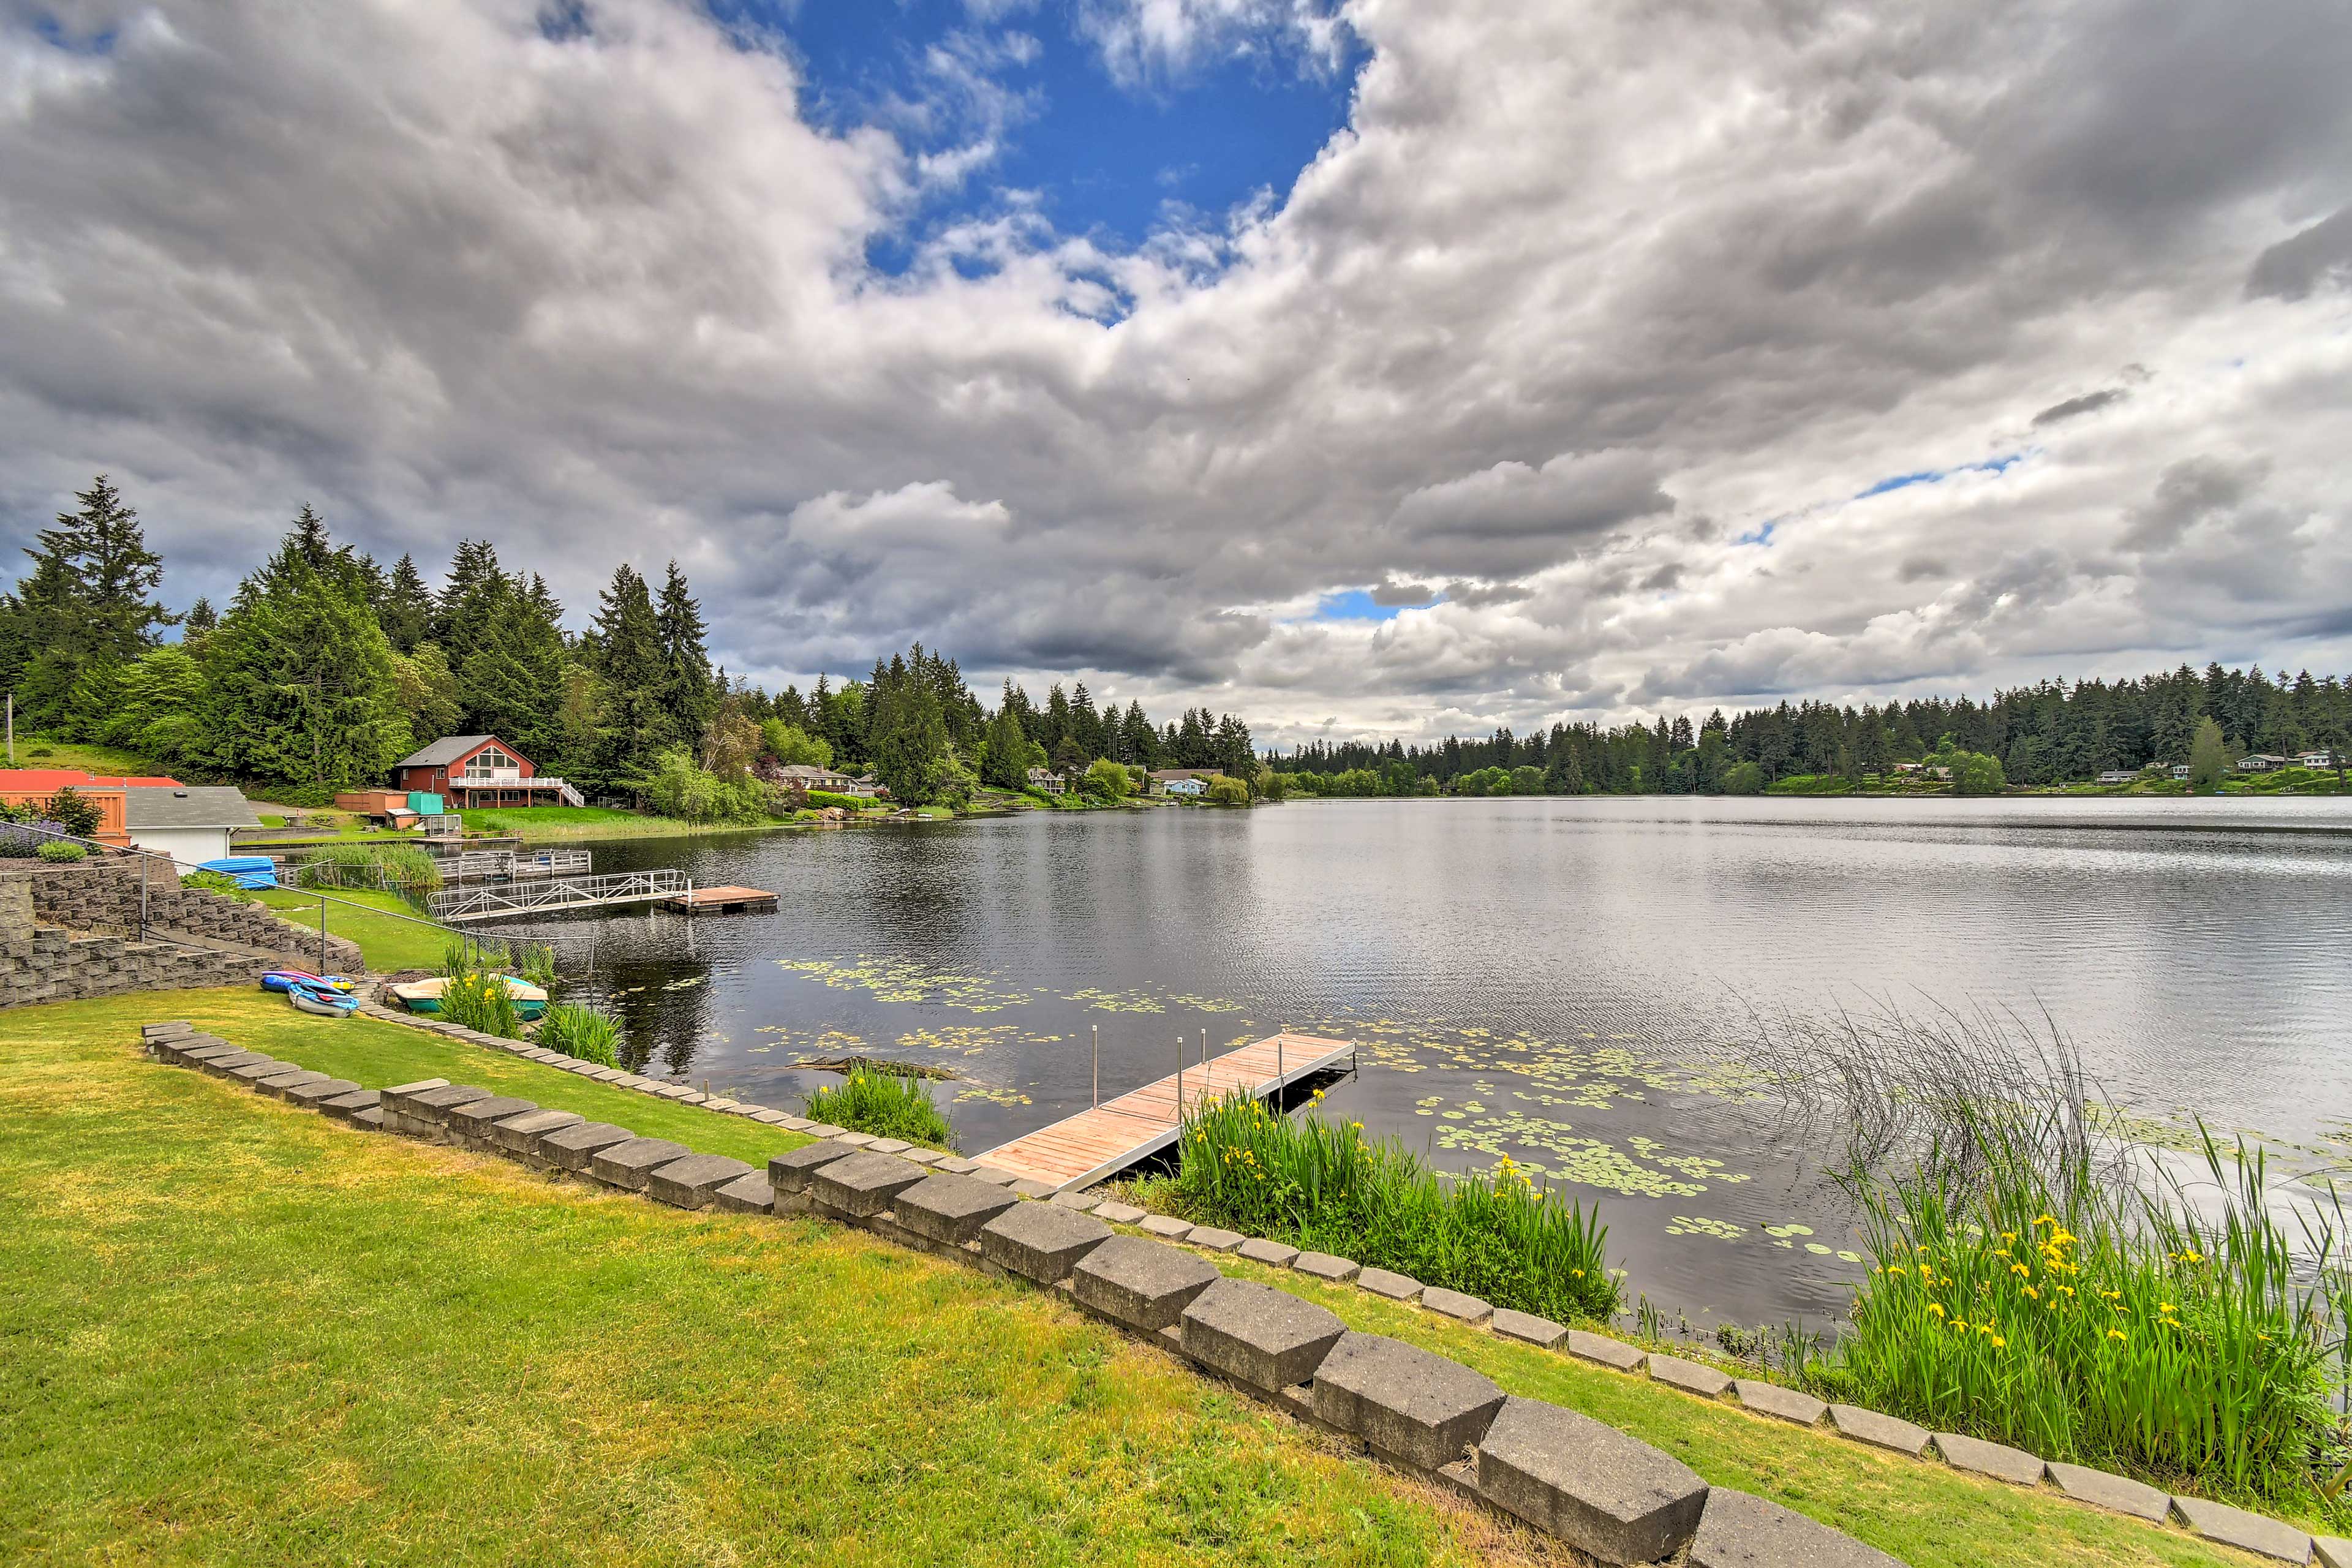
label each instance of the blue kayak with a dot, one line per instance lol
(246, 870)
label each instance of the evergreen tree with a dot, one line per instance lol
(1006, 763)
(83, 614)
(687, 691)
(2209, 757)
(469, 600)
(406, 611)
(300, 684)
(630, 665)
(425, 689)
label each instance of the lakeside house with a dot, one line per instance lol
(476, 771)
(2180, 770)
(2261, 762)
(831, 780)
(108, 796)
(190, 822)
(1191, 782)
(2118, 775)
(1046, 780)
(2317, 760)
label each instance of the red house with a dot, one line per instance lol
(479, 771)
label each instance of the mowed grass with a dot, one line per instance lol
(376, 1055)
(386, 942)
(541, 823)
(239, 1333)
(1923, 1512)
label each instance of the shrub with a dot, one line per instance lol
(883, 1104)
(585, 1034)
(22, 841)
(70, 811)
(62, 852)
(1106, 780)
(219, 882)
(678, 788)
(1225, 791)
(1322, 1185)
(825, 798)
(41, 752)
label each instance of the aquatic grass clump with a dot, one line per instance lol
(2041, 1282)
(401, 867)
(1323, 1186)
(582, 1033)
(883, 1104)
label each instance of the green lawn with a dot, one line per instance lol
(539, 823)
(239, 1333)
(89, 757)
(385, 942)
(376, 1055)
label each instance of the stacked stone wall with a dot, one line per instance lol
(69, 933)
(103, 896)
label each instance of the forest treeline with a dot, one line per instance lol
(2049, 733)
(327, 667)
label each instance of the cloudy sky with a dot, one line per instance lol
(1376, 367)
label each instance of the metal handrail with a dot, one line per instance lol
(146, 857)
(554, 893)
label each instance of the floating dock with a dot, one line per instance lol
(724, 902)
(555, 895)
(1083, 1149)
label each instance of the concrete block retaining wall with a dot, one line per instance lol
(68, 933)
(1613, 1497)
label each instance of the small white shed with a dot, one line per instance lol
(190, 823)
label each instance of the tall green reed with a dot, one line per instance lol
(2039, 1280)
(1322, 1184)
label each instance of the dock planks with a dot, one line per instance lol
(724, 900)
(1094, 1143)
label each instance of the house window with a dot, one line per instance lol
(485, 764)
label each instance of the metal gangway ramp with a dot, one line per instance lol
(554, 895)
(1109, 1137)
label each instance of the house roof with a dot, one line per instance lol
(807, 770)
(447, 750)
(60, 778)
(1183, 772)
(190, 805)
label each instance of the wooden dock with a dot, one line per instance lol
(1082, 1148)
(724, 900)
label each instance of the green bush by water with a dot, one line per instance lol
(400, 866)
(2041, 1281)
(883, 1104)
(1323, 1186)
(585, 1034)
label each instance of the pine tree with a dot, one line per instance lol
(688, 693)
(629, 665)
(468, 601)
(406, 611)
(1007, 760)
(300, 680)
(83, 614)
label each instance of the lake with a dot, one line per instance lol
(1565, 981)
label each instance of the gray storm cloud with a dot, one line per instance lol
(1593, 342)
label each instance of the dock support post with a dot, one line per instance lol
(1097, 1059)
(1278, 1067)
(1179, 1081)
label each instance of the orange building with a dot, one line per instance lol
(31, 787)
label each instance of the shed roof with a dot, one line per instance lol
(191, 806)
(447, 750)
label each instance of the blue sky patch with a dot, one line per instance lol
(1357, 604)
(1088, 155)
(1930, 475)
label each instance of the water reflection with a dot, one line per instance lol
(1561, 980)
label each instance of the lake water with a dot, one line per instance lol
(1562, 981)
